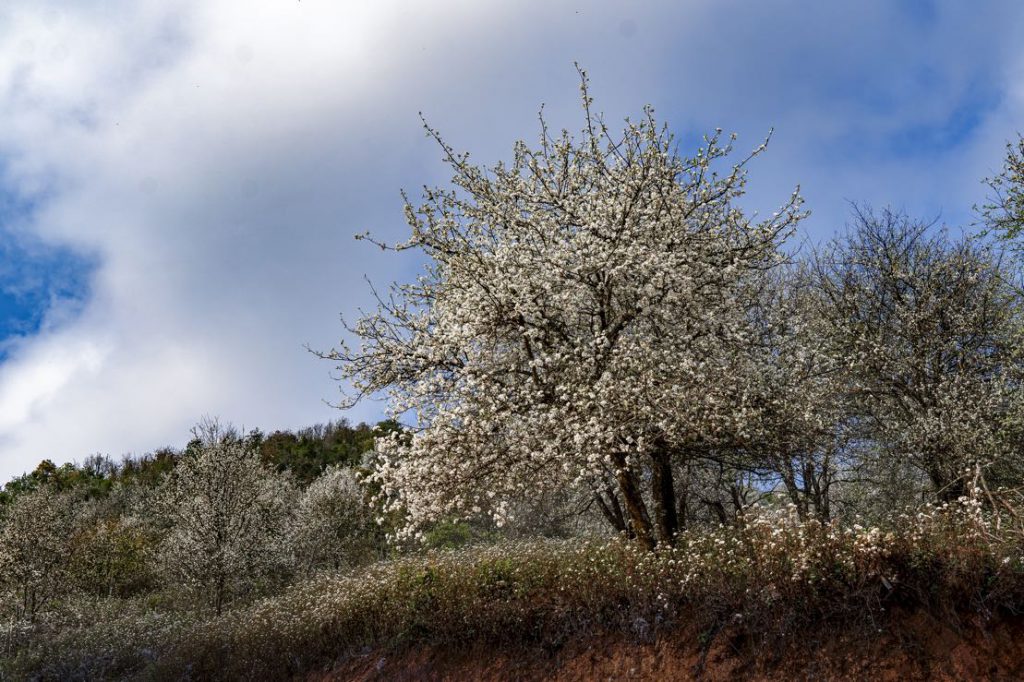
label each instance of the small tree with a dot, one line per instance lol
(572, 327)
(112, 558)
(226, 515)
(36, 547)
(334, 525)
(928, 331)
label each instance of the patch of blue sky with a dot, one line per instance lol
(35, 277)
(950, 132)
(934, 136)
(923, 12)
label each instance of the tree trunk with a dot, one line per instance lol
(219, 594)
(719, 509)
(949, 490)
(783, 463)
(948, 485)
(818, 491)
(664, 494)
(797, 496)
(616, 520)
(616, 509)
(738, 501)
(639, 519)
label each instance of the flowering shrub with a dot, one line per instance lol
(771, 576)
(333, 525)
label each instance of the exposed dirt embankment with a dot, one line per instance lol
(914, 646)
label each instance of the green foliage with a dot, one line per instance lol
(448, 535)
(113, 557)
(148, 470)
(305, 454)
(90, 479)
(309, 452)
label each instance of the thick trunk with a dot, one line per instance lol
(739, 503)
(817, 490)
(824, 508)
(948, 485)
(719, 509)
(797, 496)
(639, 519)
(809, 491)
(219, 596)
(616, 509)
(949, 490)
(664, 494)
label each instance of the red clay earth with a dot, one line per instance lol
(913, 647)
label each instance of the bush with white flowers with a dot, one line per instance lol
(333, 524)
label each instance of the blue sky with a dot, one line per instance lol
(36, 279)
(180, 180)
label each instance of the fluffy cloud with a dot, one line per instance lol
(215, 158)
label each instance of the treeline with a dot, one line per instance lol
(304, 454)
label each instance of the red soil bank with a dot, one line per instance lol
(913, 647)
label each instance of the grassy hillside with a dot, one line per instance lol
(765, 585)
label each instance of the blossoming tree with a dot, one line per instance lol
(799, 423)
(227, 516)
(573, 325)
(333, 526)
(928, 330)
(36, 532)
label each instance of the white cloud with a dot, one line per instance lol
(216, 158)
(32, 383)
